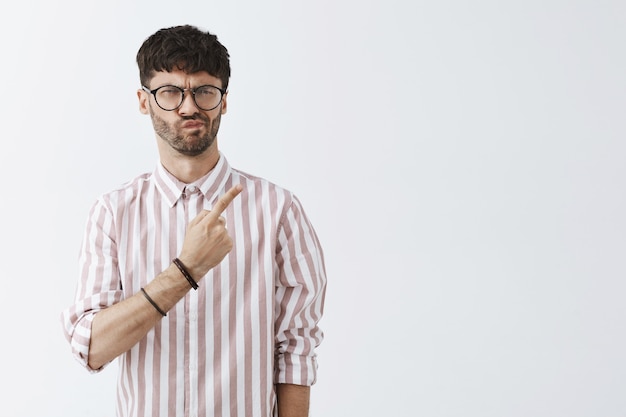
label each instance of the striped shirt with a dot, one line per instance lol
(252, 323)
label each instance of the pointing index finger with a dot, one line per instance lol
(222, 203)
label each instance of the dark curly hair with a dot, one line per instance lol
(186, 48)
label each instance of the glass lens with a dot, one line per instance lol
(207, 97)
(169, 97)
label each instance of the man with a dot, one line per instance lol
(205, 282)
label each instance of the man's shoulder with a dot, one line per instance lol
(257, 180)
(136, 182)
(129, 188)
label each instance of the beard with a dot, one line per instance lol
(192, 144)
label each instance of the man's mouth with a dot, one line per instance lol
(192, 124)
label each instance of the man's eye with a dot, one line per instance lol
(169, 92)
(206, 91)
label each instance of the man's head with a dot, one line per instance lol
(185, 48)
(184, 76)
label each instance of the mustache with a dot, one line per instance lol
(196, 116)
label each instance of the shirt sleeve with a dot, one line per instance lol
(300, 292)
(98, 285)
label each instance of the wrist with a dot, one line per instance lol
(184, 271)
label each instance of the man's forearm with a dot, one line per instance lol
(293, 400)
(118, 328)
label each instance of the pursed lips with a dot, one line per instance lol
(192, 124)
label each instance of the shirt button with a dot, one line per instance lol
(192, 188)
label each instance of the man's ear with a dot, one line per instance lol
(144, 101)
(224, 103)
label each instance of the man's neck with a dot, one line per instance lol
(189, 168)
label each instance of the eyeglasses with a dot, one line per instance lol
(171, 97)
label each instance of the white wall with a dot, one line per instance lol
(463, 163)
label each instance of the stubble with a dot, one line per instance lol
(190, 144)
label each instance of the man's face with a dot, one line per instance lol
(188, 130)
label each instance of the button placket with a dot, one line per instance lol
(193, 205)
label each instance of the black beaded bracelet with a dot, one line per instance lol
(145, 294)
(186, 274)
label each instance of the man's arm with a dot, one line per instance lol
(300, 290)
(293, 400)
(119, 327)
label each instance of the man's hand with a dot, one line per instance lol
(207, 241)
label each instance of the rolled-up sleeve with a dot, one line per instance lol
(300, 292)
(99, 281)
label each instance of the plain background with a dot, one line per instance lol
(462, 162)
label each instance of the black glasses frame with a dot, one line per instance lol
(183, 92)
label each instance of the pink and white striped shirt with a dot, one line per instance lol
(252, 323)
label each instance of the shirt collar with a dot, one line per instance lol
(210, 185)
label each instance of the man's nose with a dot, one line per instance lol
(188, 106)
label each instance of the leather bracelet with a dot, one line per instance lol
(145, 294)
(186, 274)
